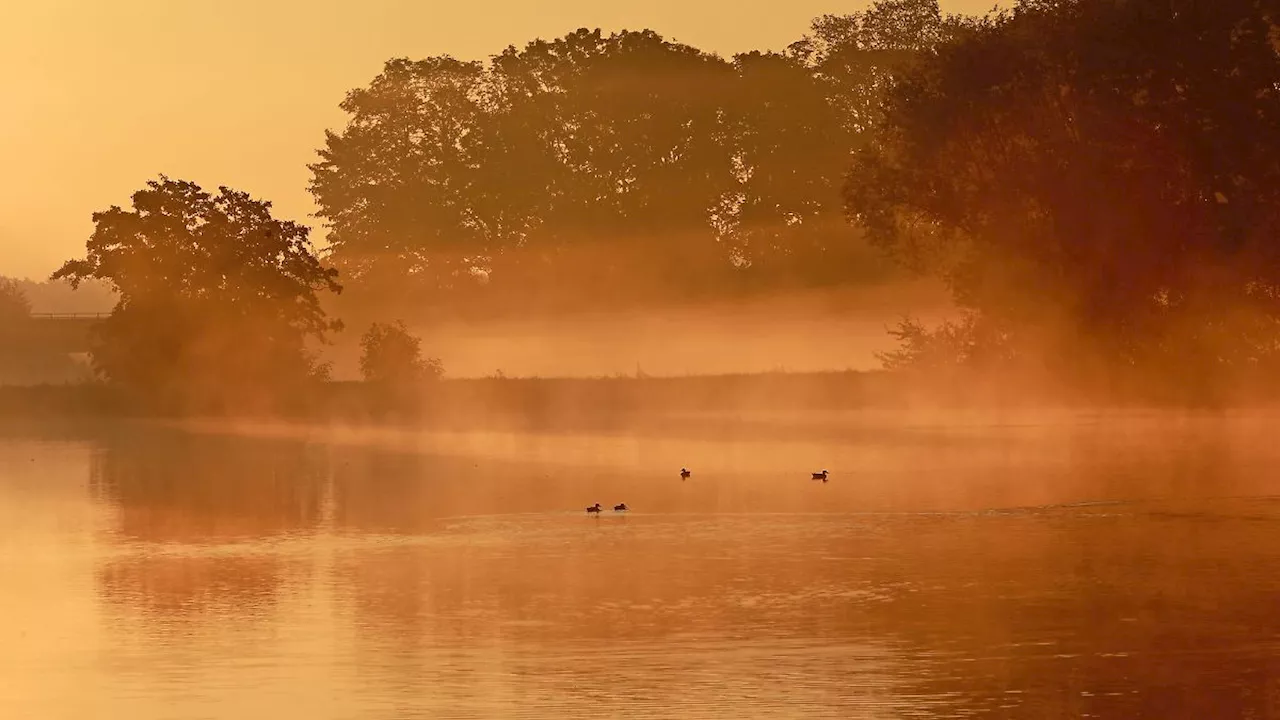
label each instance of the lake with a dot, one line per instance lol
(1049, 566)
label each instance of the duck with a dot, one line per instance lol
(684, 473)
(594, 509)
(620, 507)
(820, 476)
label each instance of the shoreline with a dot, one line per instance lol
(807, 402)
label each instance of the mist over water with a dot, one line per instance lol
(798, 331)
(419, 453)
(1106, 565)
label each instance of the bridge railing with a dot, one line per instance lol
(70, 316)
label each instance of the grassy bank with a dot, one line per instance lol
(584, 402)
(532, 400)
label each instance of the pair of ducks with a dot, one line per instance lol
(684, 475)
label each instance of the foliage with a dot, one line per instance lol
(14, 305)
(1100, 168)
(391, 355)
(217, 298)
(15, 311)
(59, 297)
(970, 343)
(858, 56)
(603, 166)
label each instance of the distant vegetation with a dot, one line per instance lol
(59, 298)
(23, 359)
(1097, 182)
(390, 355)
(394, 369)
(15, 307)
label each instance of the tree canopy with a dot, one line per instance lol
(391, 356)
(610, 166)
(1095, 176)
(14, 305)
(217, 298)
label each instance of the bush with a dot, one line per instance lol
(390, 355)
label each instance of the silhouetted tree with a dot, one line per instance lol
(1099, 177)
(391, 355)
(600, 166)
(394, 370)
(15, 318)
(217, 298)
(971, 343)
(857, 56)
(14, 305)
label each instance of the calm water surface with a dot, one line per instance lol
(1122, 567)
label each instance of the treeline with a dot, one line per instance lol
(46, 297)
(611, 169)
(1097, 181)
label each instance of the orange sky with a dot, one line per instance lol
(100, 96)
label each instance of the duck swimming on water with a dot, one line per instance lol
(594, 509)
(684, 473)
(620, 507)
(820, 476)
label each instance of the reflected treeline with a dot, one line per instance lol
(1128, 611)
(185, 497)
(172, 486)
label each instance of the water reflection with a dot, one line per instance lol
(1092, 572)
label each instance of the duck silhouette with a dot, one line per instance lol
(620, 507)
(594, 509)
(684, 473)
(820, 476)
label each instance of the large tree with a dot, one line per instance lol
(601, 167)
(217, 298)
(1096, 177)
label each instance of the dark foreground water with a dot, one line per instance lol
(1121, 568)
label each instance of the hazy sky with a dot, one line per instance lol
(101, 95)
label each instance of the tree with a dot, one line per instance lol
(970, 343)
(217, 299)
(393, 367)
(14, 306)
(390, 355)
(1098, 177)
(15, 319)
(858, 56)
(600, 168)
